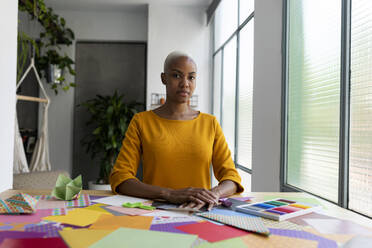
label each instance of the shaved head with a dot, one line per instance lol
(173, 56)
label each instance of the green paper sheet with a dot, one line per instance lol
(235, 242)
(128, 238)
(66, 188)
(308, 200)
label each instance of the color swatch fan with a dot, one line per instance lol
(278, 209)
(18, 204)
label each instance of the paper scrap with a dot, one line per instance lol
(338, 226)
(118, 200)
(106, 222)
(212, 232)
(82, 238)
(127, 237)
(34, 242)
(235, 242)
(276, 241)
(168, 219)
(168, 213)
(20, 234)
(77, 217)
(66, 188)
(83, 200)
(251, 224)
(18, 204)
(170, 227)
(30, 218)
(322, 242)
(50, 229)
(130, 211)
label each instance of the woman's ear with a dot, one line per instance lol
(162, 76)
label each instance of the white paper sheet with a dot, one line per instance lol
(118, 200)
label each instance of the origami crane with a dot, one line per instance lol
(18, 204)
(66, 188)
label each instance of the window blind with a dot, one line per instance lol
(313, 96)
(244, 117)
(360, 152)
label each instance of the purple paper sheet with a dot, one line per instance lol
(20, 235)
(247, 198)
(170, 227)
(95, 197)
(322, 242)
(50, 229)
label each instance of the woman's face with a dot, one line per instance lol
(180, 79)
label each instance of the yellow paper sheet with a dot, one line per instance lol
(82, 238)
(77, 217)
(107, 222)
(276, 241)
(97, 207)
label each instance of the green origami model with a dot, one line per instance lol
(66, 188)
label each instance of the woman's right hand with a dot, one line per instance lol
(197, 196)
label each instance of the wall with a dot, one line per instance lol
(267, 95)
(8, 63)
(184, 29)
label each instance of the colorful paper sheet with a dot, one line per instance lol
(77, 217)
(106, 222)
(130, 211)
(322, 242)
(127, 237)
(338, 226)
(167, 219)
(50, 229)
(230, 212)
(250, 224)
(235, 242)
(20, 234)
(340, 238)
(30, 218)
(118, 200)
(34, 242)
(18, 204)
(83, 238)
(212, 232)
(82, 201)
(275, 241)
(66, 188)
(281, 224)
(15, 226)
(168, 213)
(170, 227)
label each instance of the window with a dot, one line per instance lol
(233, 79)
(328, 115)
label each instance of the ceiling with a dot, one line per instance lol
(128, 5)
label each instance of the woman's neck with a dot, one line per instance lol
(176, 111)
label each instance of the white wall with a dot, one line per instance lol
(267, 95)
(8, 65)
(184, 29)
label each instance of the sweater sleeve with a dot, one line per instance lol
(127, 162)
(223, 165)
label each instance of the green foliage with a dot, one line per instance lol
(54, 35)
(109, 119)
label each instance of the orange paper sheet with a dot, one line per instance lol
(107, 222)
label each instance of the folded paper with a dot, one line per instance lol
(18, 204)
(66, 188)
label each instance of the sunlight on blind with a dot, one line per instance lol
(313, 96)
(225, 21)
(244, 118)
(217, 86)
(228, 98)
(360, 157)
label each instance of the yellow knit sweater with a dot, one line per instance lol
(176, 153)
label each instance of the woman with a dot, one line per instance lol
(177, 145)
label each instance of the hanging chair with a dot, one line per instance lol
(40, 157)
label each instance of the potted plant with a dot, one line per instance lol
(109, 119)
(50, 62)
